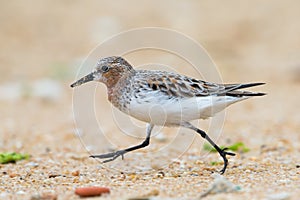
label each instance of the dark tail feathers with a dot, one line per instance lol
(232, 90)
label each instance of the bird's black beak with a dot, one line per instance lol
(85, 79)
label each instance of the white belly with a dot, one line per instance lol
(159, 110)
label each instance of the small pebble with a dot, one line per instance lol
(91, 191)
(20, 192)
(220, 185)
(32, 164)
(54, 175)
(12, 175)
(76, 173)
(160, 174)
(146, 196)
(44, 197)
(279, 196)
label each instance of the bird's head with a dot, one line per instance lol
(109, 71)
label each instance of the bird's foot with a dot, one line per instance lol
(112, 156)
(223, 154)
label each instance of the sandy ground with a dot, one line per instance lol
(250, 41)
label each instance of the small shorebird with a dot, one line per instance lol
(181, 99)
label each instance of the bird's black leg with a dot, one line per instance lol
(112, 156)
(222, 152)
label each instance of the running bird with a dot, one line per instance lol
(163, 99)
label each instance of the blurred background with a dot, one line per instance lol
(38, 38)
(43, 44)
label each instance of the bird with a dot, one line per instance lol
(181, 99)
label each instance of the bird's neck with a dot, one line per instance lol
(116, 91)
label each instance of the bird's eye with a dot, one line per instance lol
(104, 68)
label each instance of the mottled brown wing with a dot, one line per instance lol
(176, 85)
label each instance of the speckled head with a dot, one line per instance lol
(109, 71)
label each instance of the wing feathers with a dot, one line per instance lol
(175, 85)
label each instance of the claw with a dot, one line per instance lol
(112, 156)
(223, 154)
(230, 154)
